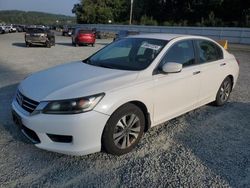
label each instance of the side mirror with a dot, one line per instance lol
(171, 67)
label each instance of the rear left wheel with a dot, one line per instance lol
(123, 130)
(224, 92)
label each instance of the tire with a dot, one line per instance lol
(126, 123)
(93, 45)
(224, 92)
(27, 44)
(48, 45)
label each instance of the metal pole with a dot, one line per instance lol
(131, 12)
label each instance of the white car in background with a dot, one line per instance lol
(12, 29)
(4, 29)
(110, 99)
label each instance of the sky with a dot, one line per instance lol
(50, 6)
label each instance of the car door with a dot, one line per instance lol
(177, 93)
(212, 67)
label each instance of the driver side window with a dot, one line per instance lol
(181, 52)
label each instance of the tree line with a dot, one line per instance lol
(34, 18)
(232, 13)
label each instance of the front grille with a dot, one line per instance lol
(26, 103)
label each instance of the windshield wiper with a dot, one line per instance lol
(88, 61)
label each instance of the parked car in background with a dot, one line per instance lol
(19, 28)
(39, 36)
(2, 29)
(67, 31)
(124, 33)
(12, 29)
(6, 29)
(110, 99)
(83, 37)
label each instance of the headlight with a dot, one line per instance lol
(72, 106)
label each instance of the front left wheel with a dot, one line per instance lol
(48, 45)
(123, 130)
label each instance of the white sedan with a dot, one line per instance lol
(110, 99)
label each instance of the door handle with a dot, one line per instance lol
(196, 72)
(222, 64)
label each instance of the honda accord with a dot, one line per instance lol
(110, 99)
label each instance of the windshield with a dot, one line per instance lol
(36, 30)
(128, 54)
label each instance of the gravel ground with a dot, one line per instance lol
(208, 147)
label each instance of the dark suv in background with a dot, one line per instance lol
(39, 36)
(67, 31)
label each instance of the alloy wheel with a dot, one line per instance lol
(126, 131)
(225, 90)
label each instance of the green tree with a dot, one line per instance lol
(100, 11)
(166, 12)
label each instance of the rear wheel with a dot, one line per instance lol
(123, 130)
(224, 92)
(27, 44)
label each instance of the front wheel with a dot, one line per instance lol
(223, 92)
(48, 45)
(123, 130)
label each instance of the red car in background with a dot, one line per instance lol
(83, 37)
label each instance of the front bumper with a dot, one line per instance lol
(85, 128)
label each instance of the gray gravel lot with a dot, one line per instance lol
(208, 147)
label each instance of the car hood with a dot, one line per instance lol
(73, 80)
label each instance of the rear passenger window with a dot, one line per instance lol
(181, 52)
(208, 51)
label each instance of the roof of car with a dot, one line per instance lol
(161, 36)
